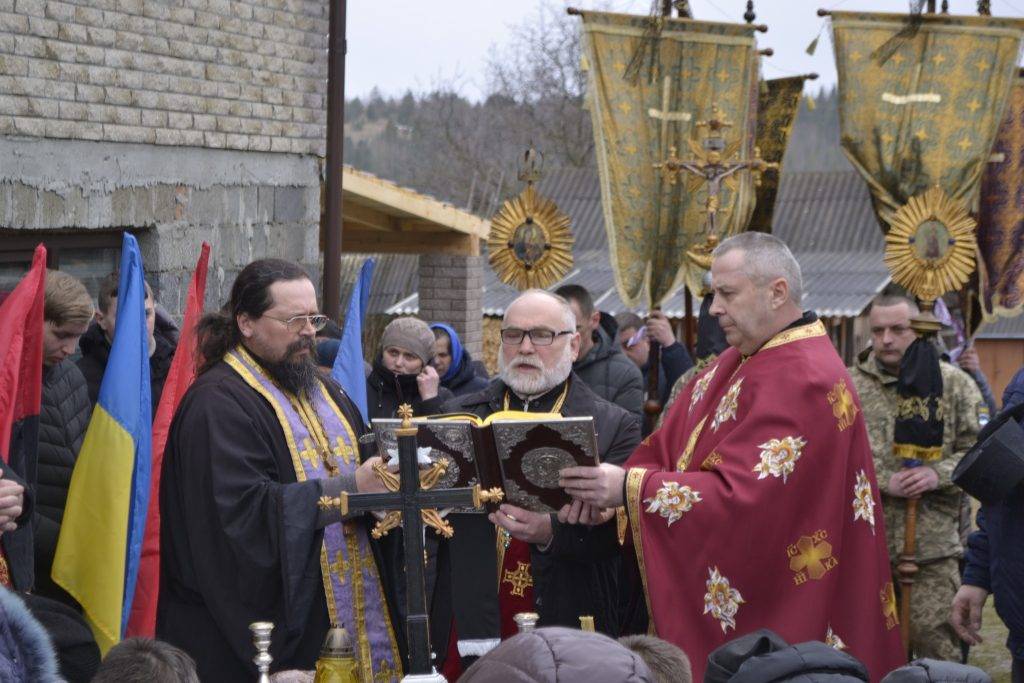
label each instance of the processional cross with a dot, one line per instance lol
(411, 505)
(711, 166)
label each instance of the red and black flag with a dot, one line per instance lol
(21, 379)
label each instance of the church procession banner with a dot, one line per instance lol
(921, 100)
(777, 106)
(1001, 216)
(692, 65)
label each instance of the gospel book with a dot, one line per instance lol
(520, 453)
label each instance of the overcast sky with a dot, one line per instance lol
(395, 45)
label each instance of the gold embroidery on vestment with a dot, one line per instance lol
(844, 408)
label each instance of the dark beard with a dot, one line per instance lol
(296, 376)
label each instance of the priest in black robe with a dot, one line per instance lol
(258, 439)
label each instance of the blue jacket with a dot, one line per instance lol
(994, 558)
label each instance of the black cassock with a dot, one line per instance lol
(240, 537)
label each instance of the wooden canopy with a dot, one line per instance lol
(380, 217)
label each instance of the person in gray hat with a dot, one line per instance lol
(402, 372)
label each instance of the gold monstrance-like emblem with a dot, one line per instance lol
(530, 244)
(930, 245)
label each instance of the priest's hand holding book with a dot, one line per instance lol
(599, 486)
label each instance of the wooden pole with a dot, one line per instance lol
(335, 158)
(907, 568)
(689, 333)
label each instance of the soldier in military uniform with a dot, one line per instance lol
(938, 510)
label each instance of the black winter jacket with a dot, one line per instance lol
(611, 374)
(578, 573)
(63, 420)
(385, 391)
(96, 352)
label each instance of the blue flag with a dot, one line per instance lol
(348, 364)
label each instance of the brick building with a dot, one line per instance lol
(182, 121)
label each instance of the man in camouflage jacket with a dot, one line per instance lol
(938, 510)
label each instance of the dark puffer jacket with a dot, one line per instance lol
(96, 352)
(63, 420)
(559, 655)
(610, 374)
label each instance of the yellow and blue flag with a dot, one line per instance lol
(97, 559)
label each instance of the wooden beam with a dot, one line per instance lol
(360, 240)
(366, 217)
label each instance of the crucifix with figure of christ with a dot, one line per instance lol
(411, 504)
(711, 165)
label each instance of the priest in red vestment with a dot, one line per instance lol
(755, 505)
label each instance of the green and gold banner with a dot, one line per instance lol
(920, 100)
(777, 106)
(654, 217)
(1001, 216)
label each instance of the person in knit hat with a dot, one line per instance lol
(402, 374)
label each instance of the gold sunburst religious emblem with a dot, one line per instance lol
(530, 244)
(930, 245)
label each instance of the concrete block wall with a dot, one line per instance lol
(246, 75)
(451, 291)
(247, 205)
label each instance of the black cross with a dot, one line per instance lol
(410, 501)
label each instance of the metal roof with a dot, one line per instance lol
(1003, 328)
(826, 218)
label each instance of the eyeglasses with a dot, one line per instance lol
(297, 323)
(539, 336)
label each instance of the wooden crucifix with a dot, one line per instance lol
(711, 166)
(412, 505)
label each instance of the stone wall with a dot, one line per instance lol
(247, 205)
(245, 75)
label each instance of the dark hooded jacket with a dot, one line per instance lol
(63, 420)
(386, 391)
(466, 379)
(994, 557)
(610, 373)
(559, 655)
(26, 651)
(96, 352)
(764, 657)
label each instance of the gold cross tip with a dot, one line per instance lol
(405, 412)
(482, 496)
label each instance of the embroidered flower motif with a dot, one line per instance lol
(701, 386)
(722, 601)
(672, 500)
(728, 405)
(834, 641)
(863, 502)
(779, 456)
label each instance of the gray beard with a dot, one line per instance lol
(535, 386)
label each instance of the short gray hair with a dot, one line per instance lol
(766, 258)
(568, 317)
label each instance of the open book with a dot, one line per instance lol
(520, 453)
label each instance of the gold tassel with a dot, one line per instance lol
(813, 46)
(810, 102)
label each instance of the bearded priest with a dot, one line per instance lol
(755, 505)
(258, 439)
(563, 565)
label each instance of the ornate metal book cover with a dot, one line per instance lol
(521, 457)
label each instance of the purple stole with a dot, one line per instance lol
(355, 598)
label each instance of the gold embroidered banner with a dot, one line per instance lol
(650, 221)
(777, 106)
(923, 110)
(1001, 216)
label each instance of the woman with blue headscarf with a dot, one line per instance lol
(459, 373)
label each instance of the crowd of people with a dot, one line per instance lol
(728, 530)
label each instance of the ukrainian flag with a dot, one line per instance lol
(100, 542)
